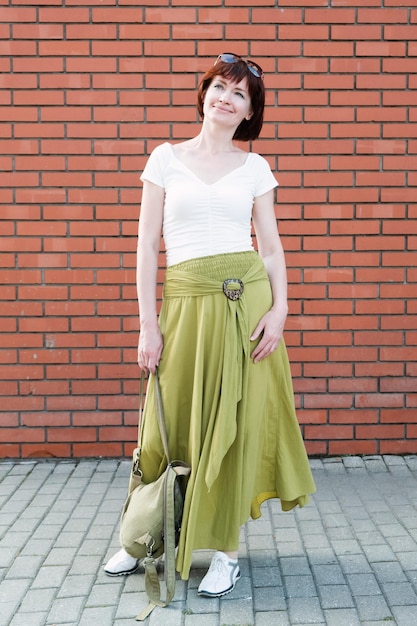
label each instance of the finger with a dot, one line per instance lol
(264, 349)
(258, 330)
(259, 350)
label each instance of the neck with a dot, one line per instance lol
(214, 140)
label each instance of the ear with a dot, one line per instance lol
(249, 115)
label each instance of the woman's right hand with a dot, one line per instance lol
(150, 347)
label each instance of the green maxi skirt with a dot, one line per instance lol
(232, 420)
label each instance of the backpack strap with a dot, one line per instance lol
(174, 470)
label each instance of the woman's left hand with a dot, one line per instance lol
(270, 328)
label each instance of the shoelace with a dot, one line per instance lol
(219, 565)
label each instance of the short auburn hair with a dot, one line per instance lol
(247, 129)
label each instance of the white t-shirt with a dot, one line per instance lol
(203, 219)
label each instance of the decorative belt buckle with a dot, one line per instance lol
(233, 288)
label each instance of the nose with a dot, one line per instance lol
(224, 96)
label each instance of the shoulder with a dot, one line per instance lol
(257, 160)
(162, 150)
(261, 173)
(159, 158)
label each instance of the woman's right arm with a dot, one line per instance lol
(149, 237)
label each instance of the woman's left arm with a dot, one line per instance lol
(271, 326)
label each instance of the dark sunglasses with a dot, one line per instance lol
(230, 57)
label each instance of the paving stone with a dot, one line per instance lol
(8, 555)
(346, 546)
(37, 600)
(305, 611)
(374, 464)
(321, 556)
(363, 585)
(340, 532)
(269, 618)
(21, 619)
(13, 591)
(389, 572)
(400, 594)
(335, 596)
(335, 467)
(411, 462)
(342, 617)
(300, 587)
(37, 547)
(392, 460)
(316, 464)
(52, 576)
(349, 557)
(372, 608)
(104, 595)
(131, 604)
(172, 615)
(7, 612)
(201, 620)
(261, 542)
(198, 605)
(389, 620)
(266, 577)
(295, 566)
(404, 615)
(66, 610)
(25, 566)
(376, 554)
(353, 462)
(86, 564)
(237, 611)
(269, 597)
(328, 574)
(76, 586)
(290, 549)
(97, 615)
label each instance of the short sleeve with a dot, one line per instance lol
(155, 166)
(265, 180)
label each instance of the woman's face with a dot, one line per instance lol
(227, 102)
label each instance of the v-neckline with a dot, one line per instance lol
(198, 177)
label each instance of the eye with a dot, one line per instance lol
(239, 93)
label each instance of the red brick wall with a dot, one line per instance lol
(88, 91)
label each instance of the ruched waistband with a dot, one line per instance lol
(206, 275)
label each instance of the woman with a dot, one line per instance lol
(218, 343)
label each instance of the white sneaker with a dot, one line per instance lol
(221, 577)
(121, 563)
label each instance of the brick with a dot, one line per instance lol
(385, 114)
(63, 15)
(331, 16)
(20, 64)
(272, 16)
(327, 49)
(402, 33)
(93, 31)
(382, 16)
(339, 130)
(38, 130)
(355, 65)
(303, 33)
(380, 48)
(385, 146)
(356, 33)
(380, 82)
(18, 15)
(380, 432)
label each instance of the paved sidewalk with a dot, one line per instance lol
(348, 558)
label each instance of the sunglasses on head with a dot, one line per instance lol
(230, 57)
